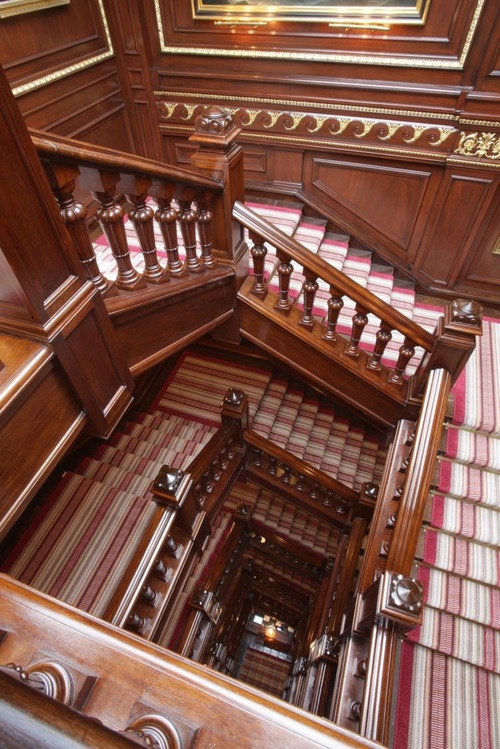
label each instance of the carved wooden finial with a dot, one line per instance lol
(467, 311)
(215, 126)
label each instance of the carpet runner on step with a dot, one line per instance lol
(292, 416)
(85, 534)
(449, 683)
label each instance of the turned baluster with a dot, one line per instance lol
(74, 214)
(148, 595)
(406, 352)
(110, 216)
(205, 232)
(335, 304)
(167, 216)
(287, 474)
(258, 253)
(188, 217)
(284, 270)
(359, 321)
(142, 217)
(310, 288)
(383, 336)
(272, 466)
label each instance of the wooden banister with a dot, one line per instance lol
(57, 148)
(321, 269)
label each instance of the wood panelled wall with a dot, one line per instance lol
(61, 65)
(392, 133)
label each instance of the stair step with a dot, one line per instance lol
(459, 638)
(284, 423)
(77, 552)
(464, 519)
(459, 556)
(464, 446)
(460, 597)
(265, 415)
(455, 693)
(198, 385)
(468, 482)
(116, 477)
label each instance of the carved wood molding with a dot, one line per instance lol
(362, 131)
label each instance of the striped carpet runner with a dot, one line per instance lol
(86, 532)
(356, 263)
(285, 412)
(449, 693)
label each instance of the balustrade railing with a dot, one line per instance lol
(388, 600)
(449, 346)
(169, 209)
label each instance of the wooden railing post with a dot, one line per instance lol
(62, 179)
(219, 156)
(456, 334)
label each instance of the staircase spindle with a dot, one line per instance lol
(205, 232)
(258, 253)
(188, 217)
(110, 216)
(335, 304)
(310, 288)
(285, 270)
(383, 336)
(167, 216)
(359, 321)
(74, 215)
(406, 352)
(142, 217)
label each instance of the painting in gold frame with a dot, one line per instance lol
(312, 11)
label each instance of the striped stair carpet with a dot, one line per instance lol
(86, 532)
(264, 669)
(292, 416)
(449, 693)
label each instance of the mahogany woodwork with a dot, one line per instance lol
(31, 382)
(134, 678)
(308, 488)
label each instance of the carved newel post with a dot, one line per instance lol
(219, 156)
(398, 609)
(235, 409)
(456, 339)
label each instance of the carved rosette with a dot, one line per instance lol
(155, 731)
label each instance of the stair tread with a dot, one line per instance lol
(459, 638)
(459, 556)
(79, 542)
(460, 596)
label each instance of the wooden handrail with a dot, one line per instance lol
(419, 473)
(58, 148)
(332, 276)
(306, 469)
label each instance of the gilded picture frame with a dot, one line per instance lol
(9, 8)
(359, 12)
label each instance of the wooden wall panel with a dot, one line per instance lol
(385, 199)
(453, 223)
(60, 63)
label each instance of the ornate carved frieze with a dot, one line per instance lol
(360, 131)
(479, 145)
